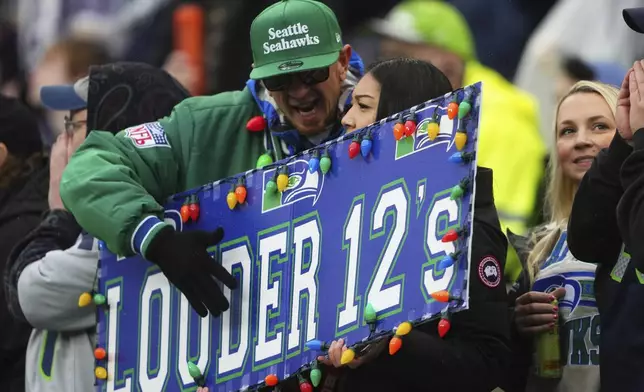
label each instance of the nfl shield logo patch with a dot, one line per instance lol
(147, 135)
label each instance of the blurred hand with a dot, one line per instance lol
(622, 115)
(202, 389)
(534, 312)
(178, 65)
(58, 161)
(636, 88)
(334, 356)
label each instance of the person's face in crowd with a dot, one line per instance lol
(585, 125)
(448, 63)
(364, 104)
(76, 128)
(309, 100)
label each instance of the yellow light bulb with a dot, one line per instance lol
(282, 182)
(403, 329)
(100, 373)
(231, 199)
(460, 139)
(347, 356)
(432, 130)
(84, 300)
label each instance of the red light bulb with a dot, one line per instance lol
(450, 236)
(194, 209)
(410, 127)
(354, 149)
(443, 327)
(306, 387)
(256, 124)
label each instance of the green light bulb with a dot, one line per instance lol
(316, 376)
(457, 192)
(99, 299)
(264, 160)
(271, 187)
(194, 370)
(325, 164)
(369, 314)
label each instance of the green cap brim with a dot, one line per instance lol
(308, 63)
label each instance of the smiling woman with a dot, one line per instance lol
(585, 124)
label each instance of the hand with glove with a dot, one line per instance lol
(183, 259)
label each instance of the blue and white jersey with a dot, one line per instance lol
(578, 320)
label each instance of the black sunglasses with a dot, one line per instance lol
(309, 78)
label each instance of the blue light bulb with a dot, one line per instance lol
(456, 158)
(316, 345)
(365, 147)
(446, 262)
(314, 164)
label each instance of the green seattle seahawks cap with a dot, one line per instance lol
(293, 36)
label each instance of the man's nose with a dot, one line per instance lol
(297, 89)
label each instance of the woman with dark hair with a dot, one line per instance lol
(474, 354)
(383, 92)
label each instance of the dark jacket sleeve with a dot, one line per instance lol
(630, 211)
(59, 230)
(516, 377)
(475, 353)
(593, 234)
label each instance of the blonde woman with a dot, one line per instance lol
(585, 124)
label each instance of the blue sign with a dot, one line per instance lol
(308, 259)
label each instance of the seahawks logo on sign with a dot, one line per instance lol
(302, 184)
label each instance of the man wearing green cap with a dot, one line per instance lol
(300, 83)
(509, 139)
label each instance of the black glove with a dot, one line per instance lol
(183, 259)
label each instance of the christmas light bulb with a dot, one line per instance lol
(394, 345)
(271, 380)
(325, 163)
(100, 373)
(460, 139)
(84, 300)
(347, 356)
(264, 160)
(369, 314)
(99, 353)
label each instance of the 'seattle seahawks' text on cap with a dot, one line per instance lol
(293, 36)
(634, 18)
(66, 97)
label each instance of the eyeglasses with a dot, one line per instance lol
(309, 78)
(73, 126)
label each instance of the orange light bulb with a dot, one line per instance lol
(394, 345)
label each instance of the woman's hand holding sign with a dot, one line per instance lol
(534, 312)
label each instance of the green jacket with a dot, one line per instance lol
(113, 186)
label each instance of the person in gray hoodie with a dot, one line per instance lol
(48, 271)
